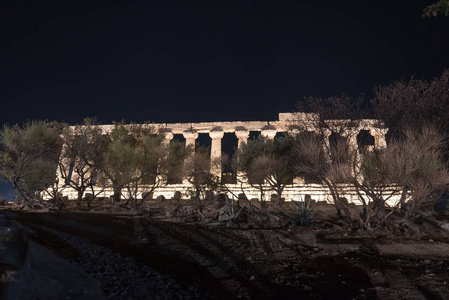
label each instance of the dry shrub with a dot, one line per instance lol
(415, 163)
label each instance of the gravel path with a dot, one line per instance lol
(248, 263)
(123, 277)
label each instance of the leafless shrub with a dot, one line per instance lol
(413, 104)
(329, 153)
(315, 161)
(415, 163)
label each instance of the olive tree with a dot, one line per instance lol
(29, 157)
(268, 162)
(81, 157)
(441, 6)
(197, 168)
(131, 158)
(172, 165)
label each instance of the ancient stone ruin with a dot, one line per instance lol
(242, 130)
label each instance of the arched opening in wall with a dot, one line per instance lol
(175, 170)
(203, 141)
(202, 162)
(338, 147)
(150, 177)
(340, 154)
(94, 178)
(70, 174)
(280, 134)
(178, 137)
(305, 137)
(279, 142)
(228, 146)
(365, 141)
(311, 180)
(253, 135)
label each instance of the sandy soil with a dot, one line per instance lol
(323, 261)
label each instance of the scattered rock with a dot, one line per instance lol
(160, 198)
(445, 226)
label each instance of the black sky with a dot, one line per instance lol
(190, 61)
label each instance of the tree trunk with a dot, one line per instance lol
(117, 193)
(402, 200)
(80, 197)
(90, 201)
(379, 212)
(278, 202)
(262, 198)
(30, 201)
(197, 193)
(364, 203)
(341, 204)
(335, 197)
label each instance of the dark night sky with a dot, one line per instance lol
(190, 61)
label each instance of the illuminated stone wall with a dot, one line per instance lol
(241, 129)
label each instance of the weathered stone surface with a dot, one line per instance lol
(190, 137)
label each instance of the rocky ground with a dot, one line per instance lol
(132, 256)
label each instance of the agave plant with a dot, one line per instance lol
(233, 212)
(304, 208)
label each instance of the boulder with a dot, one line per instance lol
(160, 198)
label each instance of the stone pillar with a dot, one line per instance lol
(379, 137)
(190, 137)
(243, 136)
(66, 163)
(168, 136)
(268, 133)
(215, 153)
(296, 180)
(326, 145)
(351, 137)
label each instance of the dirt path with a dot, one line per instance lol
(266, 264)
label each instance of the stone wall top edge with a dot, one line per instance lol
(229, 126)
(226, 126)
(207, 126)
